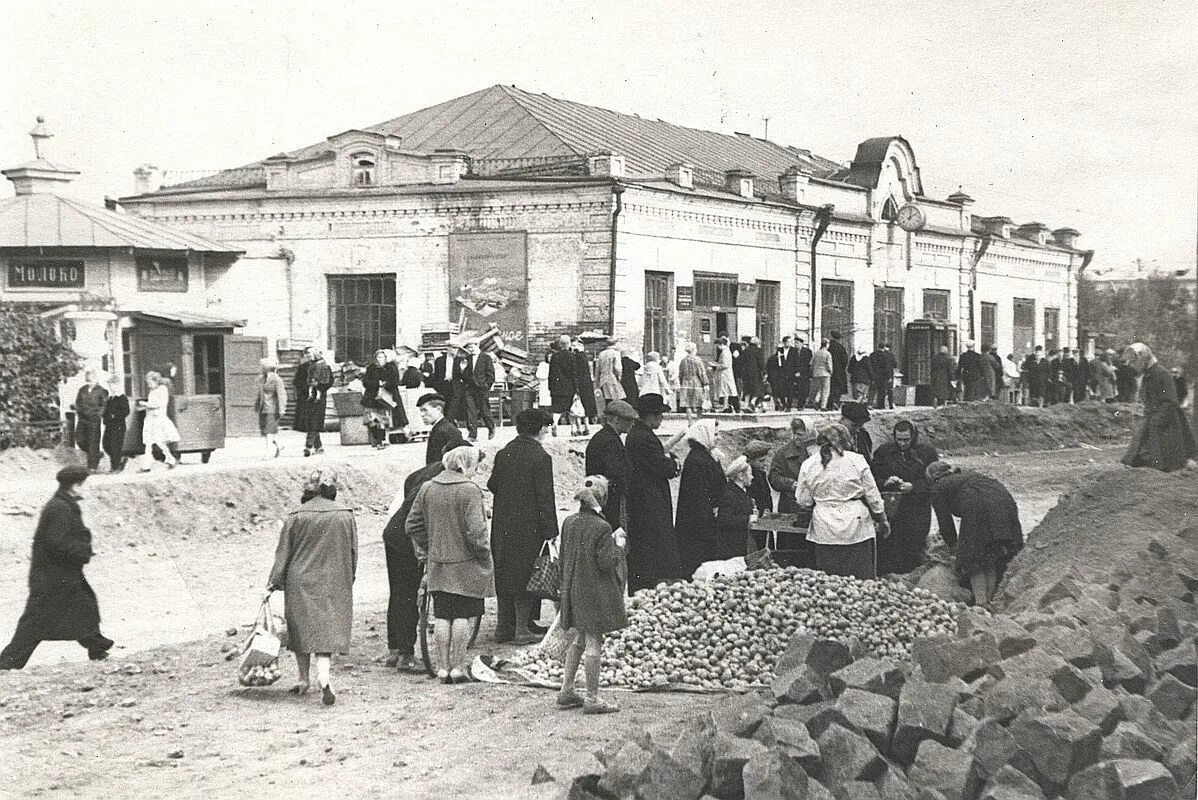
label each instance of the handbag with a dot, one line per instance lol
(576, 408)
(260, 653)
(546, 579)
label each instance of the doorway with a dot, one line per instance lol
(208, 363)
(711, 325)
(1024, 325)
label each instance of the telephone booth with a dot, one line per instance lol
(922, 338)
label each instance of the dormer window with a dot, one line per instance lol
(363, 169)
(890, 210)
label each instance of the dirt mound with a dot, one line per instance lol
(985, 427)
(25, 459)
(1121, 526)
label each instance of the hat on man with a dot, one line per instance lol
(854, 412)
(620, 409)
(756, 449)
(71, 476)
(650, 404)
(431, 397)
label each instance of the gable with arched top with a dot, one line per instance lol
(886, 166)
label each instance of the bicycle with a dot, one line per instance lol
(424, 601)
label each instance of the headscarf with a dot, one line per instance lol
(462, 459)
(592, 493)
(703, 433)
(1139, 357)
(833, 438)
(740, 472)
(938, 469)
(321, 477)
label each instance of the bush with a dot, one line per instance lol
(33, 362)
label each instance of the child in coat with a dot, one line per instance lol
(592, 592)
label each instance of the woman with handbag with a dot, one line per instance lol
(381, 399)
(592, 592)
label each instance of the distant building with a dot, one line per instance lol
(543, 216)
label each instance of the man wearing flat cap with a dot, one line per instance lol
(853, 416)
(606, 456)
(61, 604)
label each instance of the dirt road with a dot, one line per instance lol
(173, 722)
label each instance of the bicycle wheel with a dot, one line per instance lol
(425, 625)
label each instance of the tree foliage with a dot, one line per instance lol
(1158, 310)
(33, 362)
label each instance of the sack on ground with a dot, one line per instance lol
(546, 580)
(710, 569)
(260, 654)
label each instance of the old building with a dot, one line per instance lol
(543, 216)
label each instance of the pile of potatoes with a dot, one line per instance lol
(259, 674)
(728, 633)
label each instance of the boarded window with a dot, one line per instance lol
(659, 290)
(935, 304)
(1023, 337)
(888, 319)
(837, 310)
(989, 325)
(714, 290)
(361, 316)
(1052, 328)
(769, 305)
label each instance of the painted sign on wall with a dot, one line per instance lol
(685, 298)
(488, 283)
(46, 274)
(165, 274)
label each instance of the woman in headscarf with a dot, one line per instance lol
(1164, 439)
(448, 528)
(736, 511)
(653, 377)
(899, 465)
(848, 512)
(692, 384)
(990, 534)
(699, 493)
(381, 399)
(315, 564)
(593, 571)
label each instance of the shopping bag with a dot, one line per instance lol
(576, 408)
(260, 653)
(558, 639)
(546, 579)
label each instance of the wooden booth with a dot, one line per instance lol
(922, 339)
(214, 370)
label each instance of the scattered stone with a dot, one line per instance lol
(822, 656)
(925, 711)
(1128, 741)
(1172, 698)
(945, 770)
(1122, 659)
(825, 714)
(176, 754)
(128, 702)
(693, 748)
(1016, 694)
(1066, 677)
(541, 775)
(770, 775)
(730, 754)
(1073, 645)
(1123, 779)
(1058, 744)
(1100, 706)
(1009, 783)
(960, 729)
(625, 769)
(893, 785)
(857, 790)
(1181, 761)
(131, 669)
(1181, 662)
(942, 581)
(1148, 717)
(943, 657)
(848, 756)
(1012, 637)
(800, 685)
(870, 714)
(740, 715)
(877, 675)
(992, 747)
(230, 632)
(793, 739)
(667, 779)
(585, 787)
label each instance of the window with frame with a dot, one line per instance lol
(363, 169)
(836, 310)
(715, 290)
(935, 304)
(1052, 329)
(989, 324)
(659, 291)
(888, 319)
(769, 306)
(1023, 319)
(362, 313)
(890, 210)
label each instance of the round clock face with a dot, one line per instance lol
(910, 217)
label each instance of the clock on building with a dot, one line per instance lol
(910, 217)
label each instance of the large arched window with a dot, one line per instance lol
(890, 210)
(363, 169)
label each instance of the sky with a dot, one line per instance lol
(1069, 113)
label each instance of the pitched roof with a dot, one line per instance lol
(47, 220)
(503, 123)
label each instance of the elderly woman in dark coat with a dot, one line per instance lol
(1164, 439)
(61, 604)
(990, 535)
(315, 564)
(592, 557)
(381, 399)
(899, 465)
(448, 528)
(652, 546)
(735, 512)
(699, 494)
(524, 518)
(942, 377)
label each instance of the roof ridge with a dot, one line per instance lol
(514, 93)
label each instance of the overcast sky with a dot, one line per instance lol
(1070, 113)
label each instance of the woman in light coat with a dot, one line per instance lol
(723, 384)
(157, 428)
(315, 564)
(270, 404)
(609, 369)
(848, 511)
(448, 528)
(692, 384)
(653, 377)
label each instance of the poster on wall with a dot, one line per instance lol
(162, 274)
(488, 283)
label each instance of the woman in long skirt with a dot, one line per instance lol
(157, 429)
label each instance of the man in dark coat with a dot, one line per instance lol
(61, 604)
(441, 379)
(562, 383)
(1035, 375)
(1081, 376)
(754, 372)
(969, 371)
(942, 377)
(1053, 392)
(756, 453)
(652, 546)
(628, 370)
(299, 387)
(699, 491)
(839, 384)
(778, 373)
(319, 379)
(473, 375)
(524, 518)
(853, 416)
(442, 432)
(802, 372)
(89, 410)
(1164, 440)
(882, 365)
(1125, 382)
(995, 362)
(585, 383)
(785, 465)
(900, 465)
(606, 456)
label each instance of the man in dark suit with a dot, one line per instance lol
(882, 365)
(652, 545)
(802, 372)
(441, 378)
(443, 432)
(838, 386)
(473, 375)
(606, 456)
(89, 409)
